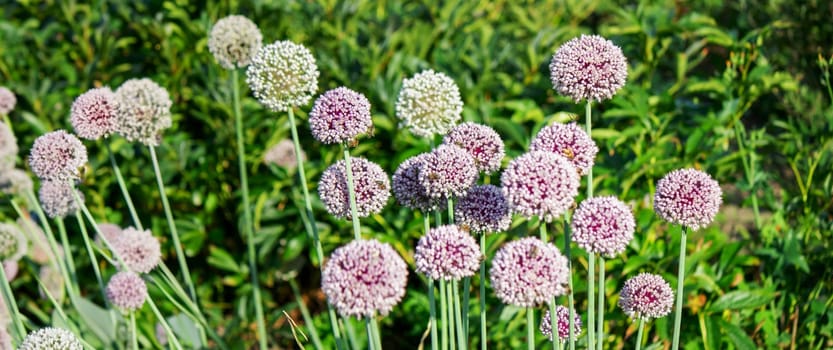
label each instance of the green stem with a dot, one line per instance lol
(542, 226)
(433, 309)
(639, 333)
(164, 322)
(556, 340)
(449, 295)
(450, 211)
(125, 193)
(62, 230)
(50, 236)
(443, 315)
(377, 335)
(530, 329)
(601, 315)
(351, 190)
(91, 254)
(19, 331)
(483, 337)
(458, 314)
(465, 305)
(313, 333)
(351, 334)
(588, 114)
(749, 169)
(134, 340)
(371, 343)
(678, 306)
(571, 306)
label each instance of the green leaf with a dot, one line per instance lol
(221, 259)
(185, 330)
(98, 319)
(742, 299)
(737, 336)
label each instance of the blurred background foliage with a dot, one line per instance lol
(740, 90)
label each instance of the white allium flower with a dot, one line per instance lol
(233, 41)
(429, 103)
(283, 75)
(51, 339)
(144, 111)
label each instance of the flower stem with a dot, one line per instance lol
(134, 341)
(443, 315)
(639, 333)
(530, 329)
(591, 334)
(313, 333)
(433, 309)
(19, 331)
(450, 211)
(571, 306)
(678, 313)
(458, 314)
(483, 338)
(50, 236)
(62, 230)
(351, 334)
(449, 295)
(164, 322)
(123, 187)
(465, 305)
(91, 254)
(371, 343)
(377, 335)
(601, 314)
(351, 190)
(556, 340)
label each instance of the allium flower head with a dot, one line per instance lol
(688, 197)
(39, 252)
(7, 100)
(562, 315)
(364, 277)
(57, 199)
(127, 291)
(94, 114)
(369, 181)
(140, 250)
(51, 339)
(482, 143)
(409, 191)
(283, 75)
(340, 116)
(447, 253)
(233, 41)
(57, 155)
(429, 103)
(282, 154)
(11, 268)
(12, 242)
(448, 171)
(646, 296)
(483, 209)
(8, 147)
(144, 111)
(542, 184)
(603, 225)
(53, 282)
(568, 140)
(15, 182)
(589, 67)
(110, 232)
(528, 272)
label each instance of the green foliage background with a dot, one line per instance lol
(740, 91)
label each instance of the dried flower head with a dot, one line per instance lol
(646, 296)
(50, 338)
(127, 291)
(140, 250)
(542, 184)
(282, 154)
(233, 41)
(57, 199)
(528, 272)
(429, 103)
(283, 75)
(144, 111)
(562, 315)
(15, 182)
(94, 114)
(483, 209)
(12, 242)
(370, 183)
(7, 100)
(688, 197)
(110, 232)
(8, 147)
(589, 68)
(340, 116)
(409, 191)
(568, 140)
(363, 278)
(448, 171)
(447, 253)
(603, 225)
(57, 155)
(482, 143)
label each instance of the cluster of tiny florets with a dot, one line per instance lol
(94, 114)
(688, 197)
(282, 154)
(51, 339)
(283, 75)
(57, 155)
(15, 182)
(570, 141)
(646, 296)
(140, 250)
(589, 68)
(448, 171)
(127, 291)
(528, 272)
(340, 116)
(409, 191)
(429, 103)
(447, 253)
(371, 185)
(109, 232)
(8, 147)
(7, 100)
(144, 111)
(12, 242)
(481, 141)
(483, 209)
(57, 199)
(234, 40)
(363, 278)
(542, 184)
(562, 315)
(603, 225)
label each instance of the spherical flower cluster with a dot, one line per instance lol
(483, 210)
(448, 171)
(589, 68)
(94, 114)
(447, 253)
(570, 141)
(127, 291)
(57, 155)
(603, 225)
(340, 116)
(8, 147)
(688, 197)
(482, 143)
(51, 339)
(646, 296)
(53, 282)
(140, 250)
(541, 184)
(283, 75)
(233, 41)
(15, 182)
(12, 242)
(562, 315)
(57, 199)
(371, 185)
(429, 103)
(409, 191)
(282, 154)
(528, 272)
(109, 232)
(144, 111)
(7, 100)
(363, 278)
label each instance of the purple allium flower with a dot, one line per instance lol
(603, 225)
(8, 147)
(589, 67)
(448, 171)
(568, 140)
(528, 272)
(340, 116)
(369, 181)
(364, 277)
(127, 291)
(110, 232)
(409, 191)
(233, 41)
(140, 250)
(15, 182)
(482, 143)
(51, 339)
(57, 199)
(57, 155)
(282, 154)
(429, 103)
(12, 242)
(483, 210)
(94, 114)
(7, 100)
(144, 111)
(688, 197)
(646, 296)
(542, 184)
(562, 315)
(447, 253)
(283, 75)
(10, 268)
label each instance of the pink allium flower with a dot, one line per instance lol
(447, 253)
(127, 291)
(340, 116)
(10, 268)
(7, 100)
(562, 315)
(94, 114)
(8, 147)
(110, 232)
(429, 103)
(528, 272)
(541, 184)
(363, 278)
(57, 199)
(448, 171)
(409, 191)
(57, 155)
(482, 143)
(568, 140)
(140, 250)
(233, 41)
(646, 296)
(603, 225)
(53, 281)
(688, 197)
(15, 182)
(51, 339)
(589, 67)
(483, 209)
(369, 181)
(282, 154)
(144, 111)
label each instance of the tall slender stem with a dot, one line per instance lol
(377, 335)
(444, 315)
(124, 192)
(556, 340)
(450, 211)
(134, 340)
(639, 333)
(600, 318)
(19, 331)
(433, 309)
(449, 295)
(371, 343)
(465, 305)
(571, 306)
(164, 322)
(350, 331)
(591, 334)
(678, 306)
(351, 190)
(313, 333)
(458, 314)
(91, 254)
(62, 230)
(483, 337)
(50, 237)
(530, 329)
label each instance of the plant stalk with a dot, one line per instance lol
(483, 334)
(571, 306)
(351, 190)
(639, 333)
(601, 314)
(591, 334)
(123, 187)
(678, 306)
(530, 329)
